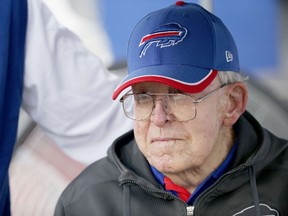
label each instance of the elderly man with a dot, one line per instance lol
(194, 149)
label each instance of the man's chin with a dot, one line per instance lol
(163, 164)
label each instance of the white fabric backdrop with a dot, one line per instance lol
(68, 89)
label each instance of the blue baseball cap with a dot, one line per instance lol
(183, 46)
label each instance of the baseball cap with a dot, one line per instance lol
(182, 45)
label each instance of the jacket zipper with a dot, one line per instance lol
(189, 209)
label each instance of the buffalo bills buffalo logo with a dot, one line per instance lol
(165, 36)
(264, 208)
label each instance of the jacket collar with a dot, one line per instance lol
(249, 134)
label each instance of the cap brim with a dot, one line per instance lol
(184, 78)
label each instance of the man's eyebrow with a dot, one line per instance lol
(142, 91)
(174, 90)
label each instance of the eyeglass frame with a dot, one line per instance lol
(163, 94)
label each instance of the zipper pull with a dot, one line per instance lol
(190, 210)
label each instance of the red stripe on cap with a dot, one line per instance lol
(159, 35)
(178, 85)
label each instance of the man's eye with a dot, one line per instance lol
(142, 98)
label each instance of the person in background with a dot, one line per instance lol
(194, 149)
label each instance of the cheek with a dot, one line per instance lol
(140, 133)
(205, 129)
(201, 137)
(211, 117)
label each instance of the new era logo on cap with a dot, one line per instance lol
(229, 56)
(165, 36)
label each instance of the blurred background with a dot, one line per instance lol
(40, 169)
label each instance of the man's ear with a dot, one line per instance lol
(237, 96)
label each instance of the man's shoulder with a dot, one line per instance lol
(92, 178)
(101, 170)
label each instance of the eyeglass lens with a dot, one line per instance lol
(140, 106)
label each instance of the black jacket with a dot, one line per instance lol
(122, 184)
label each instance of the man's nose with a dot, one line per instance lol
(160, 114)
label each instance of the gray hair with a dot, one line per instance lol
(231, 77)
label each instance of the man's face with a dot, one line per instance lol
(175, 147)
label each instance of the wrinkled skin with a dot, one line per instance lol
(187, 152)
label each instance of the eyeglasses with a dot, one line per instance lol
(139, 106)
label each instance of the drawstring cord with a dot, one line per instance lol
(254, 190)
(126, 201)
